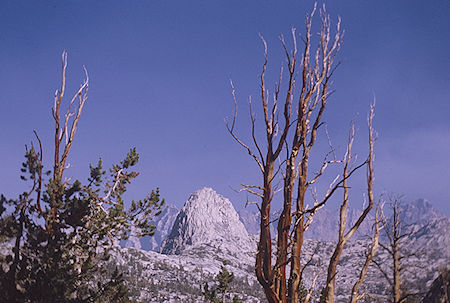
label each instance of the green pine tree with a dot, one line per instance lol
(224, 278)
(210, 295)
(62, 230)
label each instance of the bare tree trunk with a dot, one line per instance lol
(317, 67)
(355, 296)
(396, 233)
(328, 293)
(263, 266)
(295, 274)
(67, 132)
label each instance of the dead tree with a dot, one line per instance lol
(64, 136)
(295, 138)
(344, 236)
(373, 247)
(397, 233)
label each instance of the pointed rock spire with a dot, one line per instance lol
(207, 218)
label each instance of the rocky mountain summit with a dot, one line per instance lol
(205, 233)
(208, 231)
(209, 219)
(419, 212)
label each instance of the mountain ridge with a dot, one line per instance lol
(419, 211)
(201, 239)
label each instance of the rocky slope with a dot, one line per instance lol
(208, 219)
(163, 223)
(207, 231)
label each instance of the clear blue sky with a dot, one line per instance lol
(160, 75)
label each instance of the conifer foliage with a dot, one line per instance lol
(224, 279)
(61, 231)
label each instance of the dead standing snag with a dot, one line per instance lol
(294, 137)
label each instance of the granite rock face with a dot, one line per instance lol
(208, 218)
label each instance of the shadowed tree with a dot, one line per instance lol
(439, 291)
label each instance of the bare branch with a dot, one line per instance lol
(230, 129)
(253, 120)
(355, 297)
(382, 270)
(311, 289)
(39, 187)
(369, 175)
(82, 97)
(250, 191)
(331, 191)
(60, 160)
(113, 188)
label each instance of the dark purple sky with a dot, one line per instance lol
(160, 75)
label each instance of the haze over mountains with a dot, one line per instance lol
(193, 242)
(208, 207)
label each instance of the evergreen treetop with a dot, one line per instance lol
(62, 231)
